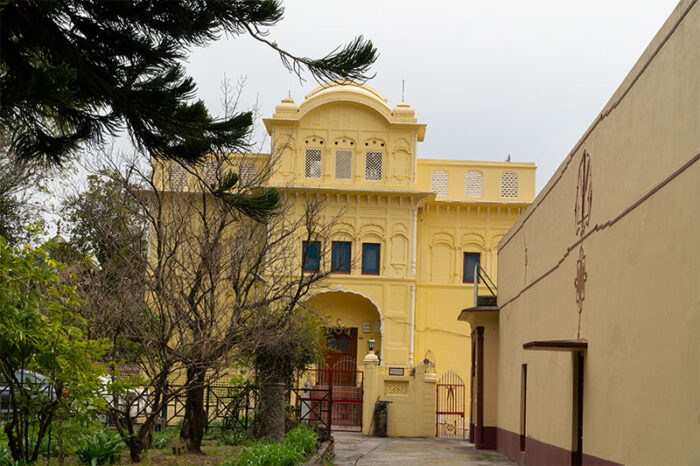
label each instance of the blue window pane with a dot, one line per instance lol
(370, 258)
(310, 251)
(470, 260)
(340, 256)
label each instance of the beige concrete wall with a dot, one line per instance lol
(641, 310)
(411, 400)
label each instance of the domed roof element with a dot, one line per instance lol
(404, 113)
(287, 108)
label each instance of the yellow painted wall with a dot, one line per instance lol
(423, 233)
(419, 211)
(641, 312)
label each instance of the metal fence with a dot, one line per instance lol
(226, 406)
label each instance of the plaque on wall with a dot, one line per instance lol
(396, 371)
(365, 327)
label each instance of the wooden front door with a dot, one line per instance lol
(342, 343)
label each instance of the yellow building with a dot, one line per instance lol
(410, 229)
(408, 233)
(592, 355)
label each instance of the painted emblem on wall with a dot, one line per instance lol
(584, 194)
(582, 212)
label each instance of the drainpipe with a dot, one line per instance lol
(413, 324)
(415, 225)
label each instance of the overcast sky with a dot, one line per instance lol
(489, 78)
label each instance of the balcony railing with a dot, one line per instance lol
(481, 277)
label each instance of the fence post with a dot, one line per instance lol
(370, 390)
(330, 402)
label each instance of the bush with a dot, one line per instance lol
(100, 448)
(299, 442)
(163, 439)
(234, 437)
(6, 457)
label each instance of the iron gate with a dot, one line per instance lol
(331, 396)
(449, 409)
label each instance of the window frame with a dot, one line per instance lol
(464, 265)
(307, 165)
(304, 255)
(369, 170)
(349, 265)
(344, 152)
(379, 259)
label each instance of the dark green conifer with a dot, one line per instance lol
(75, 71)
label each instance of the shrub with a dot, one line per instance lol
(100, 448)
(163, 439)
(299, 442)
(6, 457)
(234, 437)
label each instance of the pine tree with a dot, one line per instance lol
(74, 72)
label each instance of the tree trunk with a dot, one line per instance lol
(272, 418)
(192, 430)
(140, 442)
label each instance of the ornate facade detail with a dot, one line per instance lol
(580, 285)
(396, 387)
(584, 195)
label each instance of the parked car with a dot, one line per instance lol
(34, 381)
(138, 401)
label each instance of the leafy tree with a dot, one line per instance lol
(20, 182)
(209, 271)
(43, 355)
(74, 72)
(281, 341)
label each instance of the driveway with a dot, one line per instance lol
(352, 448)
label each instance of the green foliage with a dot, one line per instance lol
(40, 338)
(75, 72)
(235, 437)
(164, 438)
(100, 448)
(6, 457)
(299, 443)
(289, 341)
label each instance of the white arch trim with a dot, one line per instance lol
(340, 289)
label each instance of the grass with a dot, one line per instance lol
(299, 443)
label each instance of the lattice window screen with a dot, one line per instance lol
(178, 176)
(210, 172)
(439, 182)
(474, 184)
(247, 173)
(509, 184)
(313, 163)
(343, 164)
(373, 166)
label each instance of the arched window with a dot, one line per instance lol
(439, 182)
(509, 184)
(373, 165)
(343, 164)
(474, 184)
(210, 171)
(178, 176)
(247, 173)
(313, 163)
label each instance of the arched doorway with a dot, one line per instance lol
(352, 320)
(333, 391)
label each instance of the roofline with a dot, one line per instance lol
(428, 161)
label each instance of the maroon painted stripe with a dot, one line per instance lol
(602, 226)
(538, 452)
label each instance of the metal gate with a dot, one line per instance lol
(449, 409)
(331, 397)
